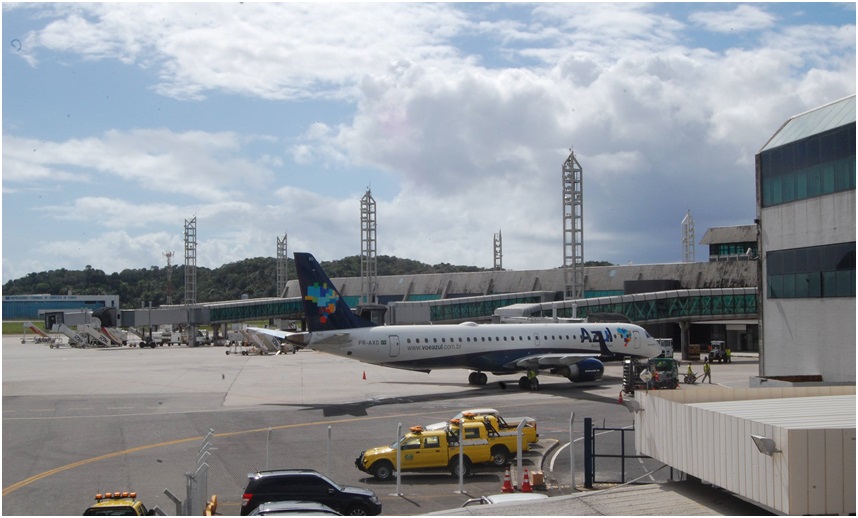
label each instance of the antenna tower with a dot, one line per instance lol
(688, 238)
(498, 251)
(573, 228)
(368, 259)
(169, 256)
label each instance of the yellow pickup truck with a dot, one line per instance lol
(429, 449)
(123, 503)
(502, 438)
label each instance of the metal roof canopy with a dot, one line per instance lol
(813, 122)
(795, 412)
(727, 235)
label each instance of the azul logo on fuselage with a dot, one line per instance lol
(598, 335)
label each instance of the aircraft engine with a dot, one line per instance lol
(590, 369)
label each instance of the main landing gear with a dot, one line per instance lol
(477, 378)
(524, 383)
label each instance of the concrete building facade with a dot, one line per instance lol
(806, 217)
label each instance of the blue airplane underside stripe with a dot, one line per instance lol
(489, 362)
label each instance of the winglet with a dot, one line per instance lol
(324, 309)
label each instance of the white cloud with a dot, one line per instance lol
(197, 164)
(743, 18)
(265, 50)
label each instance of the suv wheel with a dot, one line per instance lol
(357, 510)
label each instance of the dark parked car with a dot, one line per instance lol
(307, 484)
(294, 507)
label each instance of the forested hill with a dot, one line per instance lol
(253, 277)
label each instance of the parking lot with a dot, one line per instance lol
(81, 421)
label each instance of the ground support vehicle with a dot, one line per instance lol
(504, 422)
(718, 353)
(39, 336)
(307, 484)
(654, 374)
(501, 436)
(118, 504)
(432, 449)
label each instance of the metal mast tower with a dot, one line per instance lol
(368, 261)
(688, 238)
(169, 255)
(573, 228)
(282, 263)
(191, 261)
(498, 251)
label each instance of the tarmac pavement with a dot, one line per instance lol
(75, 420)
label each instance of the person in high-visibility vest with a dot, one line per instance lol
(707, 371)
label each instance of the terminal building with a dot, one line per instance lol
(33, 307)
(806, 215)
(787, 442)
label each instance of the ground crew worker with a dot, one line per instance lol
(707, 371)
(727, 354)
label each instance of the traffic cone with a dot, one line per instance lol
(507, 483)
(364, 374)
(525, 484)
(620, 401)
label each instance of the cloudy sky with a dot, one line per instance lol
(122, 121)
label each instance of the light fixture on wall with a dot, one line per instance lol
(765, 445)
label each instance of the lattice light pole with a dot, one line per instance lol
(368, 260)
(282, 263)
(688, 238)
(191, 261)
(573, 228)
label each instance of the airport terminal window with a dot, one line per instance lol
(813, 272)
(814, 166)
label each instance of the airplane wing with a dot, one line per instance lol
(277, 333)
(549, 360)
(301, 339)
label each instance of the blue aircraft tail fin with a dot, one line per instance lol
(324, 309)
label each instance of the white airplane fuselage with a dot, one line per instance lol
(483, 347)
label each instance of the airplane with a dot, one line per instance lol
(572, 350)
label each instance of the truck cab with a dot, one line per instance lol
(117, 504)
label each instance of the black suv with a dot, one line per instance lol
(307, 484)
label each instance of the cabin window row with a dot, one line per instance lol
(488, 339)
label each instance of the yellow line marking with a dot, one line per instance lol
(18, 485)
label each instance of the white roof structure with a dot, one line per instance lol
(788, 449)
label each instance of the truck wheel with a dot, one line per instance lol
(455, 467)
(500, 455)
(382, 470)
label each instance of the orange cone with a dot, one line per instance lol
(507, 483)
(620, 401)
(525, 484)
(364, 374)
